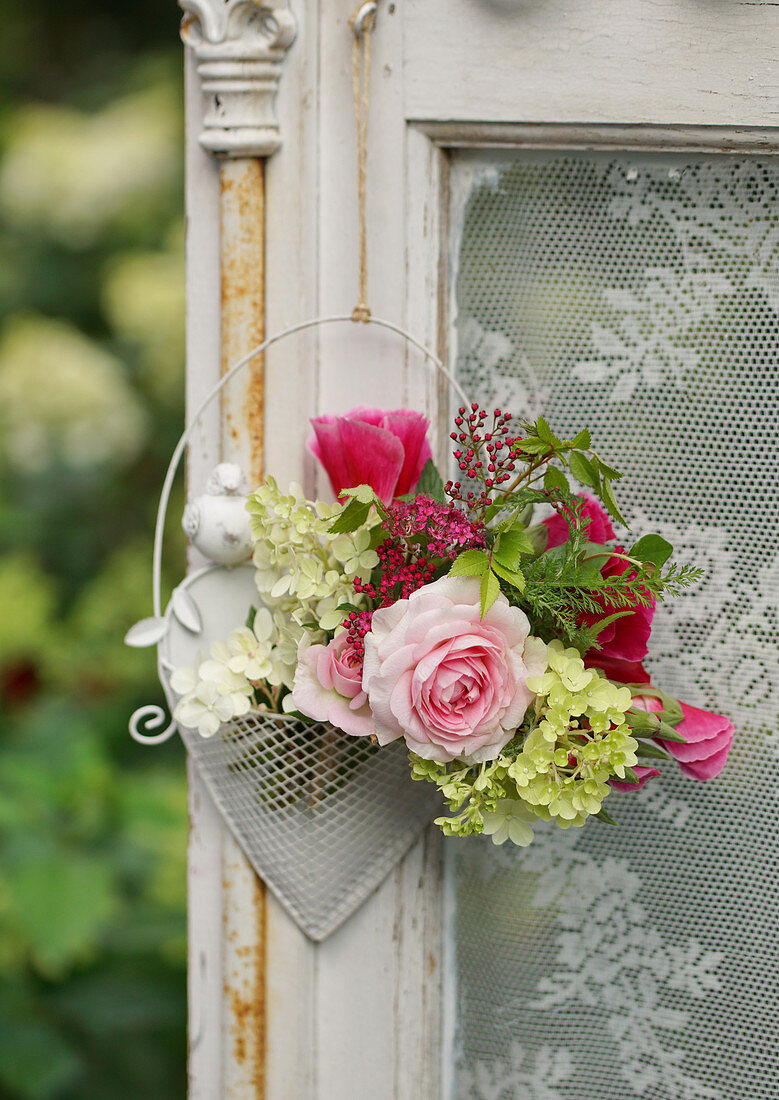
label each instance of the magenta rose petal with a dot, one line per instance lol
(644, 775)
(625, 639)
(618, 671)
(694, 751)
(629, 640)
(599, 530)
(326, 445)
(374, 457)
(368, 415)
(411, 429)
(707, 769)
(704, 733)
(700, 725)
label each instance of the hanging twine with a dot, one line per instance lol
(362, 24)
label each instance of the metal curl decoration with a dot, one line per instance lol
(150, 717)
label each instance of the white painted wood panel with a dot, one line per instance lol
(206, 831)
(628, 61)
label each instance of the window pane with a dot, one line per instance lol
(637, 295)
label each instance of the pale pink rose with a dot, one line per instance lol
(708, 738)
(453, 684)
(383, 449)
(328, 687)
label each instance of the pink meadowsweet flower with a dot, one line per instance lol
(599, 529)
(708, 738)
(383, 449)
(452, 684)
(328, 687)
(404, 569)
(643, 774)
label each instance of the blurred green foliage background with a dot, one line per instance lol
(92, 827)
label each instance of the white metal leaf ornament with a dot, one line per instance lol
(185, 609)
(146, 632)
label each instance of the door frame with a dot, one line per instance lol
(363, 1014)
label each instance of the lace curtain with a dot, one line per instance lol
(637, 295)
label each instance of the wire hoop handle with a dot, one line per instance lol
(178, 451)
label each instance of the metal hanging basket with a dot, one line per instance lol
(322, 817)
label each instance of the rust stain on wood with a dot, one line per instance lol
(243, 316)
(244, 992)
(243, 296)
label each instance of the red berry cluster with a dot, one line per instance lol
(405, 564)
(484, 456)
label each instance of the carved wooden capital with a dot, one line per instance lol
(239, 48)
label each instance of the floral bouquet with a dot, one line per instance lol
(503, 646)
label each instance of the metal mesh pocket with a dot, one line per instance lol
(322, 817)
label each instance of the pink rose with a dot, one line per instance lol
(599, 529)
(328, 687)
(453, 684)
(708, 738)
(385, 450)
(644, 775)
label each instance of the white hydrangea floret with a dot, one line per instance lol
(212, 694)
(251, 649)
(510, 820)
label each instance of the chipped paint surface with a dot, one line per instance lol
(243, 920)
(242, 202)
(243, 292)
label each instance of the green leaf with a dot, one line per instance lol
(630, 776)
(555, 479)
(652, 549)
(251, 616)
(644, 721)
(583, 470)
(648, 748)
(513, 576)
(430, 482)
(532, 446)
(604, 815)
(543, 430)
(353, 516)
(511, 545)
(490, 590)
(581, 441)
(608, 471)
(608, 498)
(363, 493)
(35, 1061)
(471, 563)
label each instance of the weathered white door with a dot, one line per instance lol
(478, 110)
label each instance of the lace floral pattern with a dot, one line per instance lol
(645, 291)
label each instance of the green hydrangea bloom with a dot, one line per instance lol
(557, 767)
